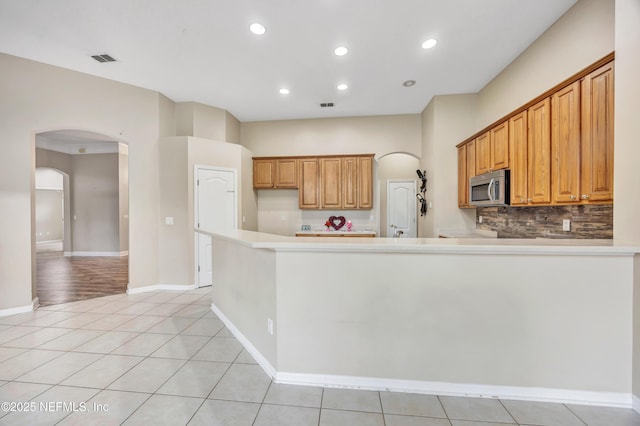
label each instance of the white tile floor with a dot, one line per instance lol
(164, 358)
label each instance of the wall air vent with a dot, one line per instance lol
(103, 58)
(326, 105)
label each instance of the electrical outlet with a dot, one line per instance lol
(479, 219)
(270, 326)
(566, 225)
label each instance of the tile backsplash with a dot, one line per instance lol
(587, 221)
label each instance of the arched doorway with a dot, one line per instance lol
(92, 260)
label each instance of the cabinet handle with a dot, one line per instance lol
(522, 200)
(585, 197)
(572, 197)
(529, 200)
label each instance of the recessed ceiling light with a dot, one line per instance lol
(428, 44)
(257, 29)
(342, 86)
(409, 83)
(284, 91)
(341, 51)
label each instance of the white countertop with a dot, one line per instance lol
(431, 245)
(338, 232)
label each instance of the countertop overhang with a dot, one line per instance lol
(565, 247)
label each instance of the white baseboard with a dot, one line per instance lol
(635, 403)
(161, 287)
(96, 253)
(18, 310)
(35, 303)
(261, 360)
(48, 242)
(610, 399)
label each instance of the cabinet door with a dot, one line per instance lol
(565, 144)
(463, 181)
(286, 173)
(597, 135)
(539, 152)
(308, 194)
(263, 173)
(483, 154)
(500, 146)
(365, 183)
(350, 182)
(518, 150)
(330, 183)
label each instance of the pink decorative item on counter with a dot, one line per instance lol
(349, 225)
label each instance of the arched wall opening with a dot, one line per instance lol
(96, 232)
(395, 165)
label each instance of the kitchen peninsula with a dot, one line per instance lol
(547, 320)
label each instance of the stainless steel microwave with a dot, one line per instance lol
(489, 189)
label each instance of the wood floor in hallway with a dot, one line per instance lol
(67, 279)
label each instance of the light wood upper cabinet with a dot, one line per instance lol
(558, 147)
(350, 182)
(539, 153)
(519, 166)
(264, 172)
(565, 144)
(275, 173)
(597, 136)
(365, 182)
(331, 183)
(334, 182)
(499, 137)
(309, 184)
(286, 173)
(483, 154)
(492, 149)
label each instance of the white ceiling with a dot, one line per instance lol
(202, 50)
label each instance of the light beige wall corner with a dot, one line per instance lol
(123, 199)
(232, 128)
(447, 121)
(184, 118)
(176, 241)
(249, 196)
(584, 34)
(626, 226)
(38, 98)
(167, 116)
(379, 135)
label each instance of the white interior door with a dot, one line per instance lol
(205, 261)
(401, 209)
(216, 209)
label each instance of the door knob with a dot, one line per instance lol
(585, 197)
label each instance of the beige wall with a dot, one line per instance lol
(351, 135)
(38, 98)
(178, 158)
(626, 226)
(448, 120)
(207, 122)
(584, 34)
(95, 203)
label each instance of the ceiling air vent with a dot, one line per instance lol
(326, 105)
(103, 58)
